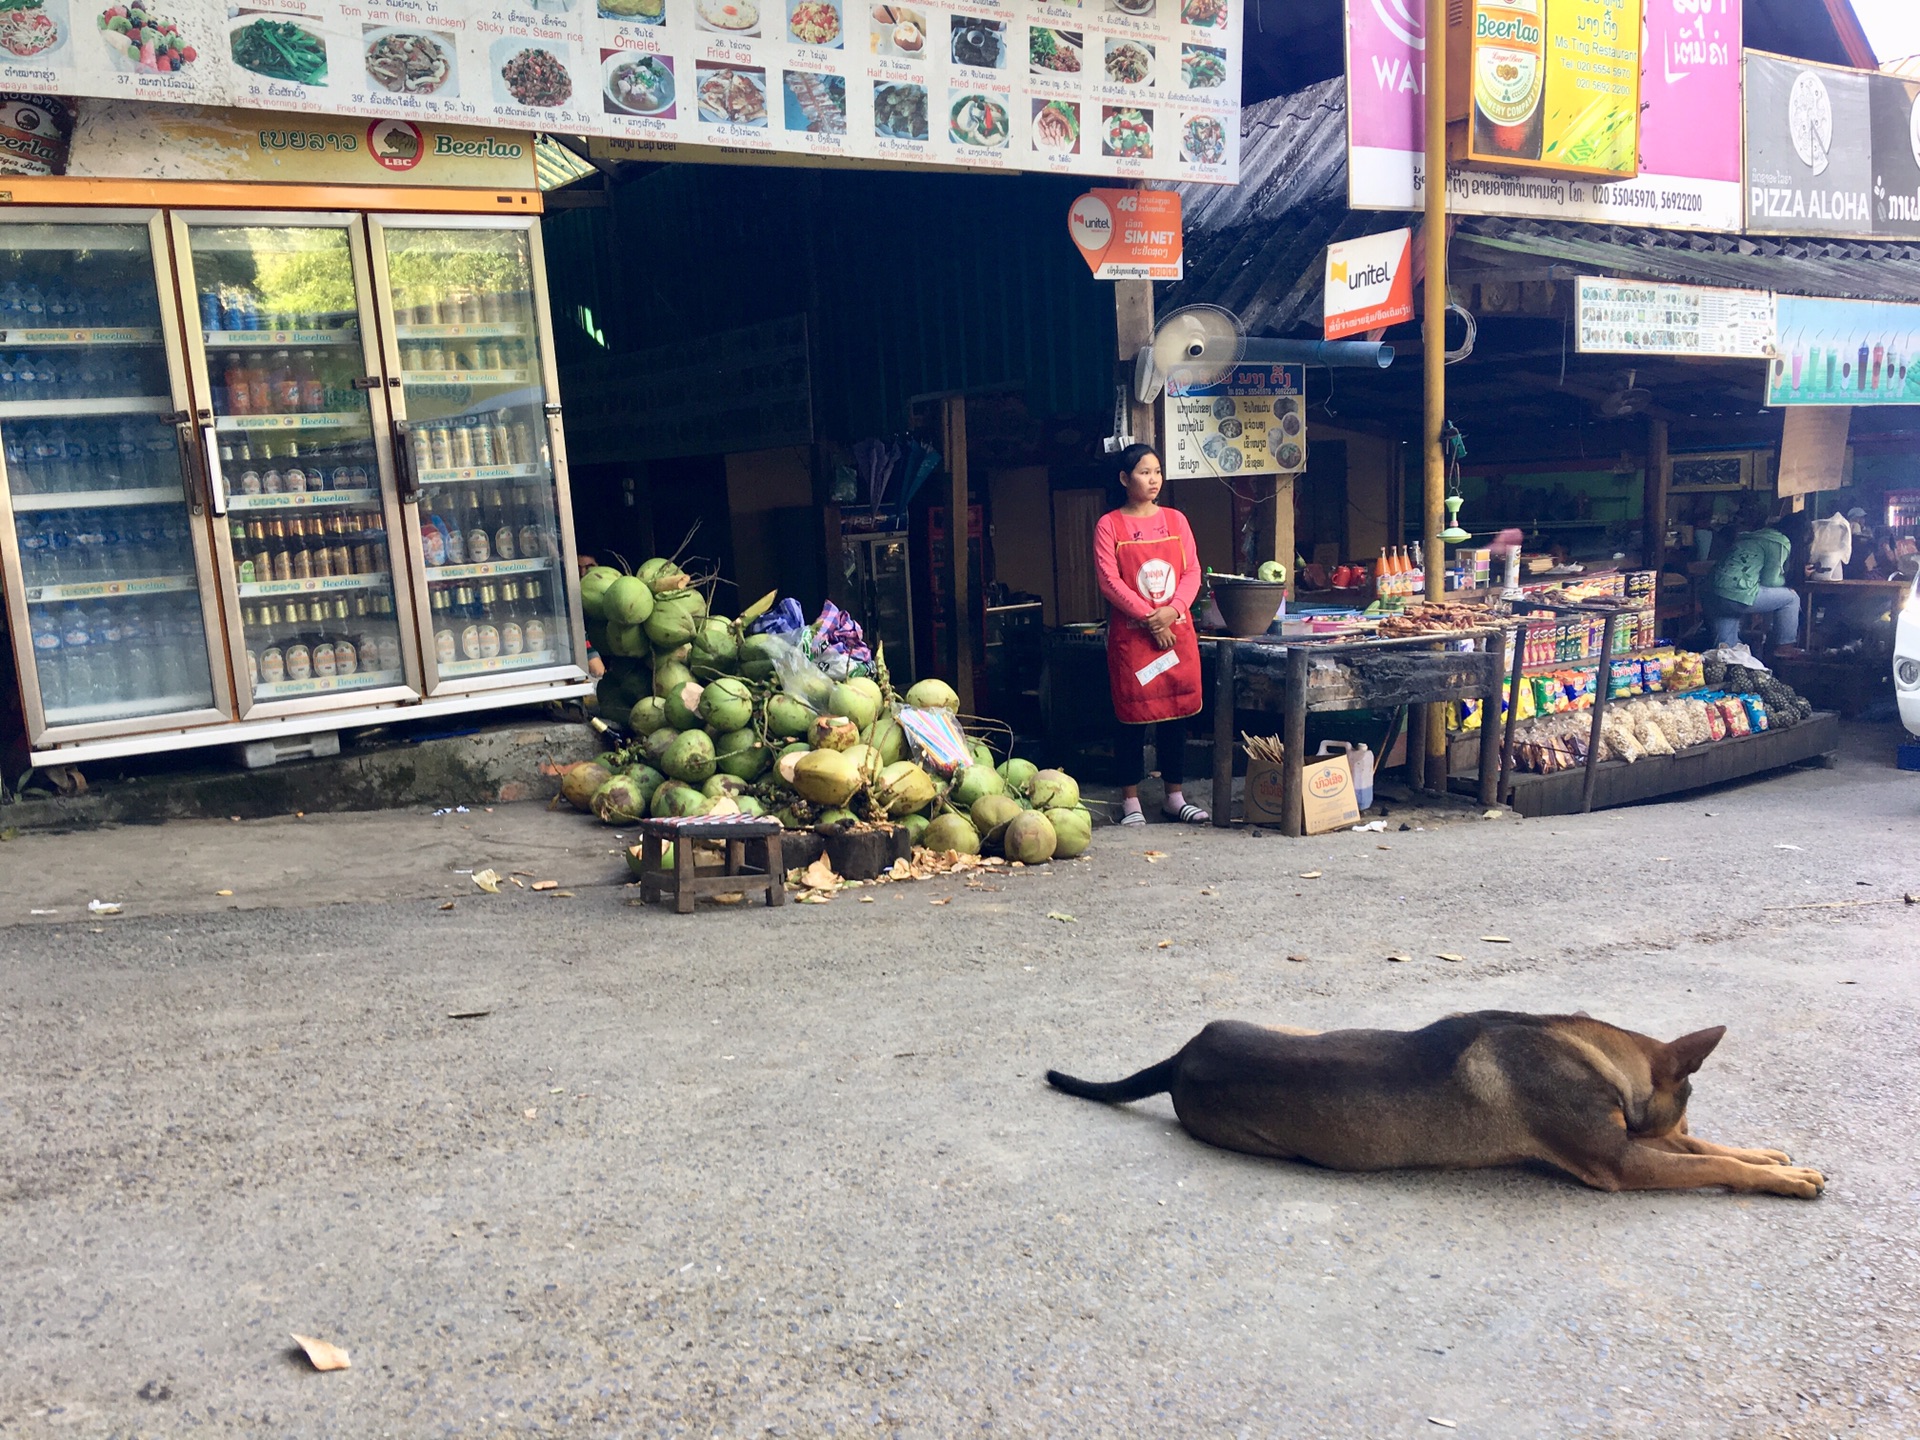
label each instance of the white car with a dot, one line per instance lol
(1906, 658)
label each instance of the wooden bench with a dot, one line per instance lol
(686, 881)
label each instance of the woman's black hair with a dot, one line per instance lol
(1130, 458)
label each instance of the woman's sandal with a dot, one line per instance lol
(1132, 817)
(1188, 815)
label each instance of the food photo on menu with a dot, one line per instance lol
(1203, 140)
(1056, 128)
(1203, 67)
(1054, 52)
(815, 22)
(899, 32)
(1135, 8)
(978, 120)
(33, 29)
(1129, 62)
(635, 12)
(277, 47)
(816, 104)
(530, 74)
(732, 94)
(401, 60)
(1204, 12)
(729, 17)
(1126, 133)
(899, 111)
(980, 43)
(145, 41)
(633, 84)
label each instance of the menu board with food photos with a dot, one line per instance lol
(1253, 421)
(1145, 89)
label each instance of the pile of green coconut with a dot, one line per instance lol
(725, 722)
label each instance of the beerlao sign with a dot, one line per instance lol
(1129, 234)
(1369, 283)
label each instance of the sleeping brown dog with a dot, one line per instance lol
(1492, 1087)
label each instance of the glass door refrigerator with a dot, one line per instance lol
(110, 579)
(293, 434)
(474, 391)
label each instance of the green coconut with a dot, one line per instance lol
(593, 589)
(662, 574)
(726, 704)
(628, 641)
(690, 758)
(951, 832)
(836, 816)
(720, 783)
(636, 860)
(669, 676)
(618, 801)
(628, 601)
(916, 827)
(993, 813)
(833, 732)
(715, 645)
(934, 695)
(676, 800)
(787, 715)
(1072, 831)
(647, 778)
(676, 616)
(721, 805)
(858, 699)
(826, 777)
(1018, 774)
(982, 755)
(578, 782)
(790, 818)
(647, 715)
(1029, 838)
(866, 760)
(973, 782)
(760, 655)
(902, 788)
(739, 753)
(657, 743)
(749, 805)
(784, 762)
(886, 737)
(683, 706)
(815, 688)
(1054, 790)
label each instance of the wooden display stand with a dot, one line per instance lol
(686, 882)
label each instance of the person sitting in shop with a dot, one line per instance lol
(1751, 579)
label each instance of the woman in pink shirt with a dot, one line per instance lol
(1150, 573)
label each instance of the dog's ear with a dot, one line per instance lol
(1689, 1052)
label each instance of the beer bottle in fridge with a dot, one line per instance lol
(488, 619)
(475, 533)
(506, 542)
(446, 643)
(533, 625)
(512, 619)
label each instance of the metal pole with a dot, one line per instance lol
(1223, 732)
(1294, 760)
(1434, 348)
(1489, 715)
(1502, 795)
(1602, 688)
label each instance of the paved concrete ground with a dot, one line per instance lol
(796, 1172)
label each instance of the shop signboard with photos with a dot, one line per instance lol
(1808, 172)
(1136, 89)
(1845, 352)
(1252, 422)
(1635, 317)
(1689, 143)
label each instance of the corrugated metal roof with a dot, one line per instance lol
(556, 165)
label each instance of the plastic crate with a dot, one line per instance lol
(258, 754)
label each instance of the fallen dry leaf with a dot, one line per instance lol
(447, 906)
(529, 1114)
(1298, 959)
(943, 900)
(866, 899)
(1496, 940)
(1062, 917)
(563, 894)
(321, 1355)
(900, 870)
(1398, 959)
(546, 884)
(487, 880)
(1166, 944)
(814, 897)
(1154, 857)
(731, 897)
(1310, 874)
(1443, 955)
(819, 875)
(223, 892)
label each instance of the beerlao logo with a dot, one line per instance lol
(1329, 783)
(395, 144)
(1156, 581)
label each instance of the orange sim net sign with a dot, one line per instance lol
(1129, 234)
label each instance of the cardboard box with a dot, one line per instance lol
(1327, 792)
(1264, 796)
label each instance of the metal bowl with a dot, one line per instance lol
(1248, 606)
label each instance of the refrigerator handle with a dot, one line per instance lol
(403, 467)
(216, 478)
(182, 423)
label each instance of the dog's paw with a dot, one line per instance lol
(1798, 1181)
(1769, 1157)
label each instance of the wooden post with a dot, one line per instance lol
(1602, 688)
(1433, 734)
(1283, 537)
(1490, 719)
(1655, 549)
(1133, 328)
(954, 411)
(1294, 760)
(1513, 708)
(1223, 732)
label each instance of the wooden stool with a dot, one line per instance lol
(686, 882)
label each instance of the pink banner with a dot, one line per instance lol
(1690, 76)
(1387, 72)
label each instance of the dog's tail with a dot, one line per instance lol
(1151, 1081)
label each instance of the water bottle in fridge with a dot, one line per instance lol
(47, 659)
(10, 305)
(76, 649)
(13, 451)
(109, 656)
(33, 308)
(142, 669)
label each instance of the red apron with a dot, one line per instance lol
(1149, 683)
